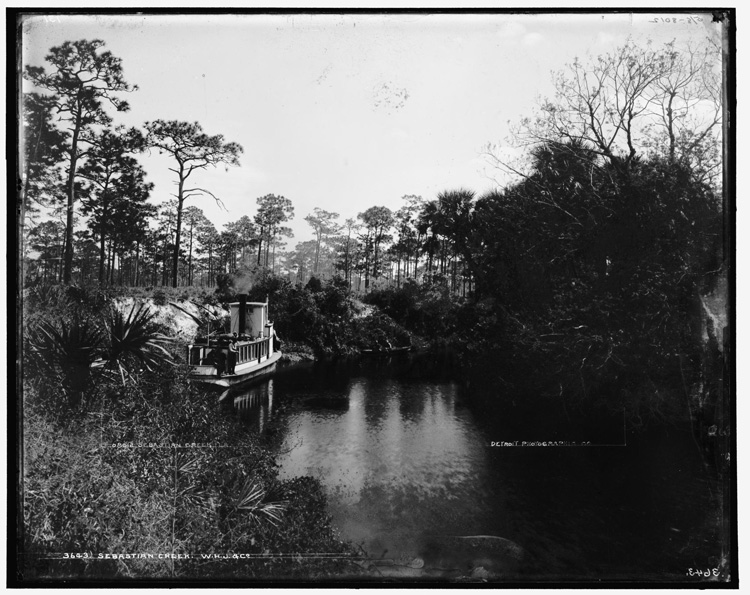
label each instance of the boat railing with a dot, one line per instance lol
(247, 350)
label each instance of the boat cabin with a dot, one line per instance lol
(249, 326)
(249, 319)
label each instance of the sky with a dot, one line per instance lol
(344, 111)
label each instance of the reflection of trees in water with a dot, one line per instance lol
(411, 408)
(407, 471)
(380, 392)
(326, 404)
(438, 365)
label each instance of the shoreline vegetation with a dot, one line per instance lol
(130, 457)
(90, 484)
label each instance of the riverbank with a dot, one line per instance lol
(156, 468)
(131, 472)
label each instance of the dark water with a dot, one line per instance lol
(411, 472)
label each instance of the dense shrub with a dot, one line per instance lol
(60, 354)
(158, 467)
(427, 310)
(379, 332)
(160, 297)
(324, 316)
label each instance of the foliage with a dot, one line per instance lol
(115, 191)
(162, 295)
(376, 221)
(69, 328)
(379, 332)
(324, 225)
(635, 101)
(587, 279)
(225, 290)
(133, 341)
(598, 255)
(43, 150)
(428, 310)
(126, 478)
(192, 150)
(324, 316)
(81, 79)
(236, 238)
(44, 297)
(62, 353)
(152, 466)
(273, 211)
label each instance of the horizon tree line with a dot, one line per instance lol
(613, 122)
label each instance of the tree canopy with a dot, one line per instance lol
(81, 80)
(192, 149)
(273, 211)
(635, 101)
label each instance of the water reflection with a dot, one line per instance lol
(254, 405)
(407, 469)
(394, 463)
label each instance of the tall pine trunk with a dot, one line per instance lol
(137, 263)
(71, 187)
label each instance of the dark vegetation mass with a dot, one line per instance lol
(595, 276)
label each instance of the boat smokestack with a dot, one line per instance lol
(243, 312)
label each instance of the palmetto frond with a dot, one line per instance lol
(187, 465)
(188, 490)
(63, 353)
(251, 500)
(133, 337)
(71, 345)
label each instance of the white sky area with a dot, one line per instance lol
(343, 112)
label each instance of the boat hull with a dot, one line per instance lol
(243, 373)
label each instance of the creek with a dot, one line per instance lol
(428, 487)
